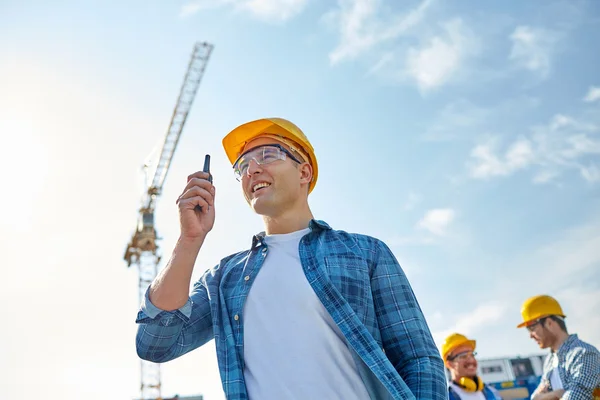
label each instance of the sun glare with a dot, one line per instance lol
(24, 163)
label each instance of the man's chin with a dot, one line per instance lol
(260, 206)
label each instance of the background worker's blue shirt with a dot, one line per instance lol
(578, 365)
(360, 283)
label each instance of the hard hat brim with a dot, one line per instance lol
(531, 321)
(235, 140)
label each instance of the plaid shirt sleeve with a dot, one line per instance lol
(584, 371)
(166, 335)
(407, 340)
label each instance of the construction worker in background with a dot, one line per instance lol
(459, 354)
(307, 312)
(572, 369)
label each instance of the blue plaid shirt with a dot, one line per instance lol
(360, 283)
(578, 366)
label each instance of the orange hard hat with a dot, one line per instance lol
(537, 307)
(284, 130)
(453, 341)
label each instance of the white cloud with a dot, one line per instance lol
(190, 9)
(361, 27)
(566, 268)
(581, 304)
(544, 176)
(592, 95)
(194, 6)
(564, 143)
(470, 322)
(432, 226)
(268, 10)
(281, 10)
(436, 62)
(569, 256)
(401, 47)
(533, 48)
(487, 164)
(384, 60)
(437, 220)
(454, 119)
(462, 119)
(590, 173)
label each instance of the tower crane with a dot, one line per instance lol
(142, 250)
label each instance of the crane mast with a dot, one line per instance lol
(142, 250)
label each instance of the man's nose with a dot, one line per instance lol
(253, 167)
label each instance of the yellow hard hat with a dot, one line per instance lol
(235, 140)
(453, 341)
(537, 307)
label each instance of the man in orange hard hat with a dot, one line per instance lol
(572, 369)
(307, 312)
(458, 353)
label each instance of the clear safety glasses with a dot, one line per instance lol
(531, 327)
(261, 155)
(463, 356)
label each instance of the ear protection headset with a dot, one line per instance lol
(474, 384)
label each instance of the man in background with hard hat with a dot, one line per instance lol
(458, 353)
(307, 312)
(572, 369)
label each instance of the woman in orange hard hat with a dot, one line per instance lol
(572, 369)
(458, 353)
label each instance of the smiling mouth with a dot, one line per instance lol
(260, 186)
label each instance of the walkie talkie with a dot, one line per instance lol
(206, 169)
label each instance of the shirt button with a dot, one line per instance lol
(236, 317)
(247, 278)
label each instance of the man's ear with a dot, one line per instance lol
(306, 173)
(448, 363)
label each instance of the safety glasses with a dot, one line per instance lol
(532, 327)
(462, 356)
(261, 155)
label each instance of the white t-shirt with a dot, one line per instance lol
(554, 377)
(292, 347)
(464, 395)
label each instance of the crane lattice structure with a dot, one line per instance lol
(142, 250)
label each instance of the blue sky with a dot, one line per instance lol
(464, 135)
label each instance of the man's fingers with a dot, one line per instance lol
(198, 175)
(192, 202)
(195, 191)
(203, 183)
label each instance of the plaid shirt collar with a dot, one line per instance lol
(571, 340)
(315, 225)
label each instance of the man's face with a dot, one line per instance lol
(541, 334)
(463, 362)
(273, 187)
